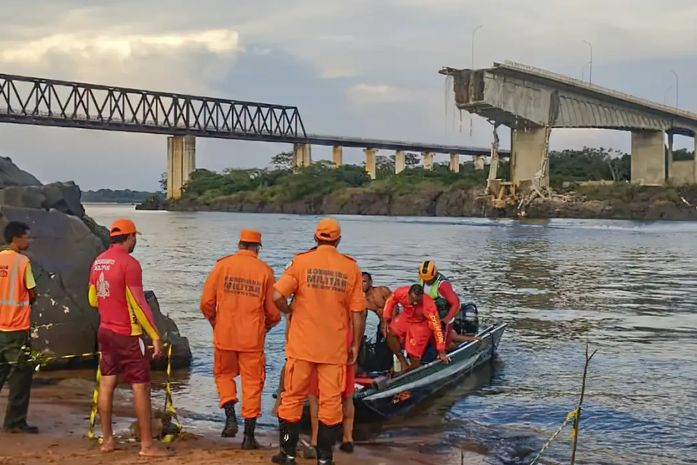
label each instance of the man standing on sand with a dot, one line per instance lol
(237, 299)
(328, 302)
(17, 293)
(116, 290)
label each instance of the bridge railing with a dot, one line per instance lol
(51, 102)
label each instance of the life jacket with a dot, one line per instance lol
(15, 309)
(431, 290)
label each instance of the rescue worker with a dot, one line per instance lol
(438, 287)
(17, 293)
(412, 329)
(116, 290)
(328, 302)
(237, 300)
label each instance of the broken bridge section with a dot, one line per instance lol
(532, 102)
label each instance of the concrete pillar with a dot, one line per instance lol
(455, 162)
(669, 165)
(302, 155)
(337, 155)
(181, 162)
(648, 164)
(428, 160)
(370, 162)
(694, 159)
(529, 155)
(479, 162)
(400, 161)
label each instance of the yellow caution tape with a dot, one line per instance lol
(95, 404)
(569, 417)
(169, 404)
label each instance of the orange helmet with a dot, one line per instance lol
(428, 270)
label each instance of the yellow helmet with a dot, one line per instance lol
(428, 270)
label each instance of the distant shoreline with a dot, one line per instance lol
(614, 202)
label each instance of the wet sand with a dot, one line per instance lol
(60, 408)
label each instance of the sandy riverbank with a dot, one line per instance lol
(60, 408)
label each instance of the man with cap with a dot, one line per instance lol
(328, 304)
(237, 300)
(116, 290)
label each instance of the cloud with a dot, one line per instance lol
(123, 47)
(371, 94)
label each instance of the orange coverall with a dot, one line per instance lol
(238, 301)
(327, 286)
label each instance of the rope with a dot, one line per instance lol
(569, 417)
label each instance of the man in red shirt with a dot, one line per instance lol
(412, 329)
(116, 290)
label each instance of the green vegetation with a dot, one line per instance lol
(281, 184)
(588, 164)
(117, 196)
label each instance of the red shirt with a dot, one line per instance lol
(116, 290)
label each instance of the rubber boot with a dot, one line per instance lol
(326, 437)
(289, 434)
(230, 430)
(249, 443)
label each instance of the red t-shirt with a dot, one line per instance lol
(116, 290)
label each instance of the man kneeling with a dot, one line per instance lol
(412, 329)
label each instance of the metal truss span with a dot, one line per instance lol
(48, 102)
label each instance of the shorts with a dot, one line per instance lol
(349, 385)
(413, 336)
(124, 355)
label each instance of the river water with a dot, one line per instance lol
(628, 289)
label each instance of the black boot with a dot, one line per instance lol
(288, 433)
(249, 443)
(231, 428)
(326, 437)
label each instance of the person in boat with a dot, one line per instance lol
(439, 288)
(413, 328)
(375, 297)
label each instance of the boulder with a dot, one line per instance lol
(11, 175)
(65, 242)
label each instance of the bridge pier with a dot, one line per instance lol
(302, 155)
(455, 162)
(337, 155)
(479, 162)
(648, 158)
(181, 162)
(529, 155)
(370, 163)
(400, 161)
(428, 160)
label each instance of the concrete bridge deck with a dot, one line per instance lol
(183, 117)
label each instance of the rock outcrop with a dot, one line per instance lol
(65, 242)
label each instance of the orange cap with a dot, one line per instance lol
(250, 235)
(123, 226)
(328, 229)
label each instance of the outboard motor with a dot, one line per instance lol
(467, 320)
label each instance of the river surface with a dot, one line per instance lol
(628, 289)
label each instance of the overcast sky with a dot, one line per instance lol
(353, 68)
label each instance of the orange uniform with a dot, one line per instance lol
(327, 286)
(414, 326)
(238, 301)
